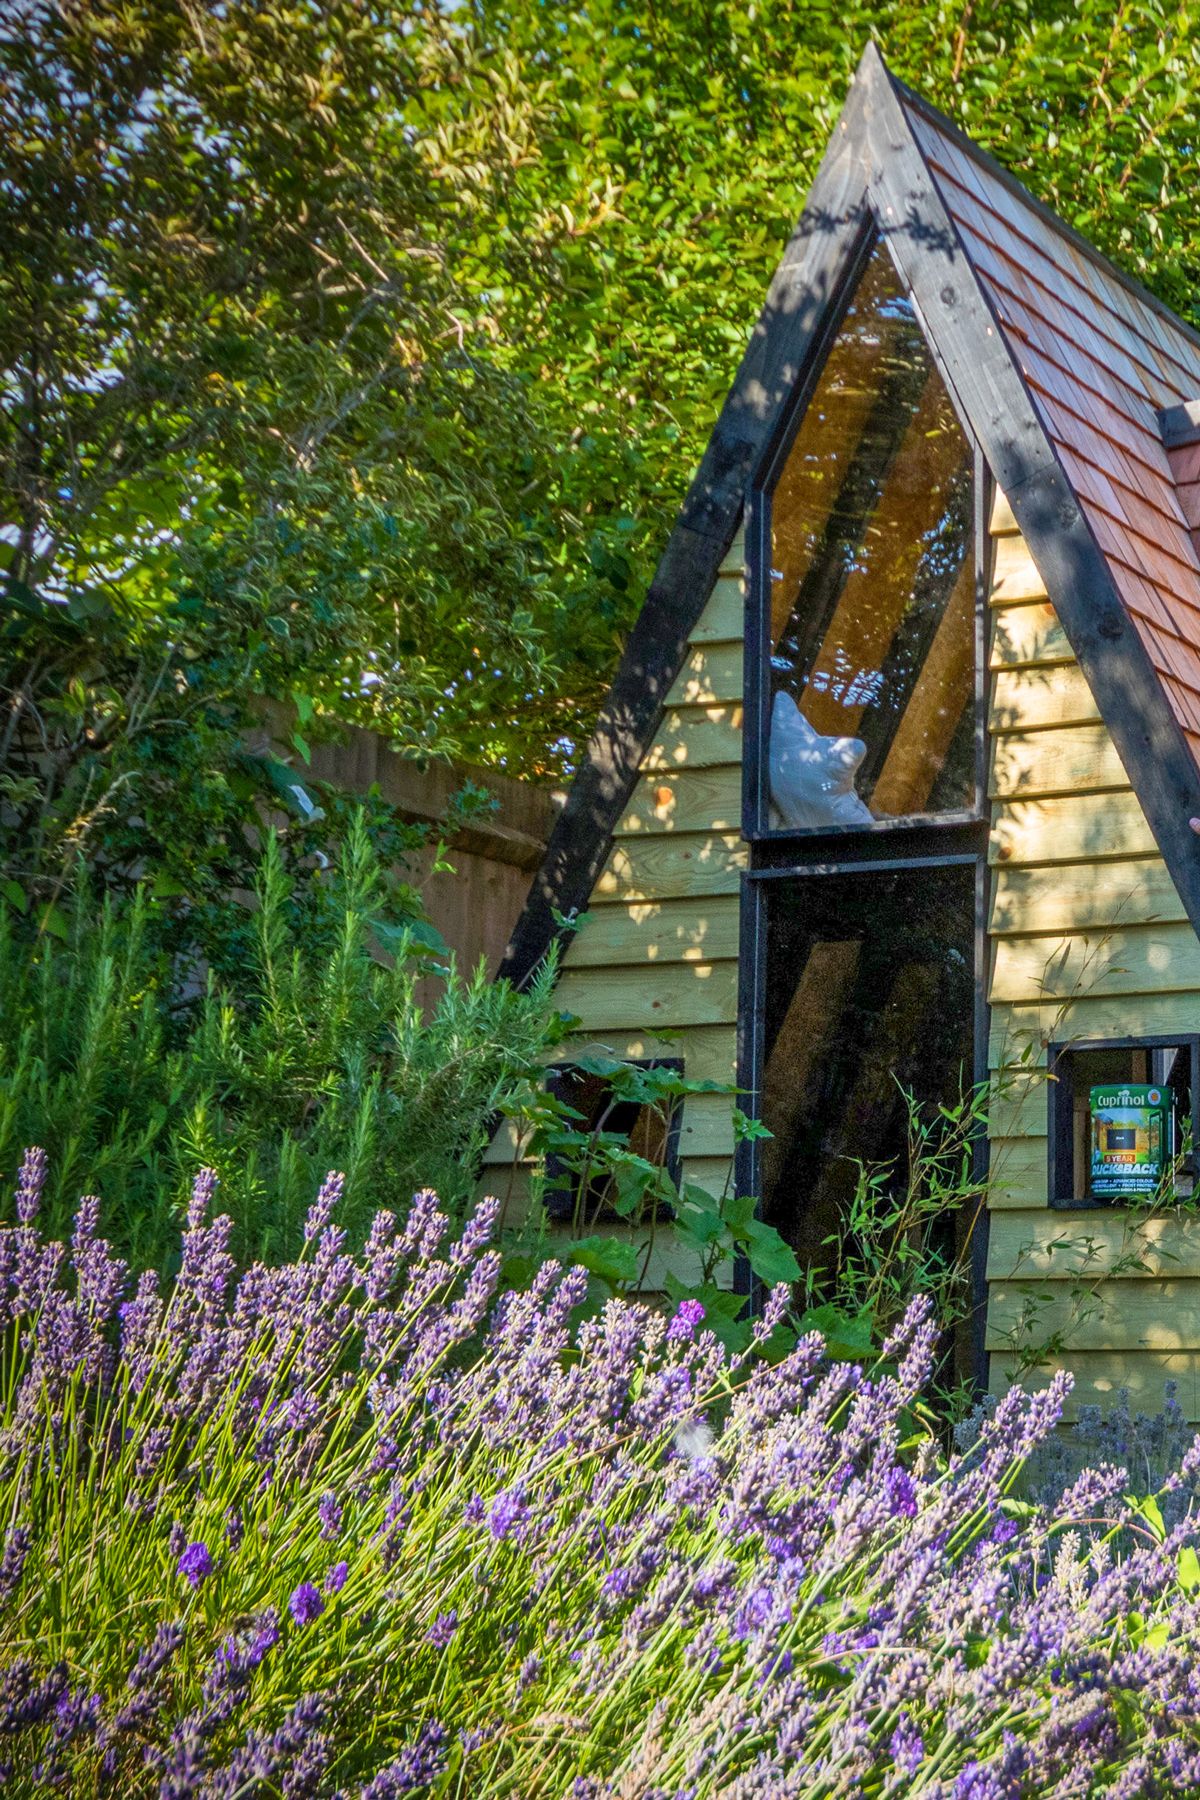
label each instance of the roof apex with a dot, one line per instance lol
(1180, 424)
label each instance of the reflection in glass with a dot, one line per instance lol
(872, 582)
(869, 993)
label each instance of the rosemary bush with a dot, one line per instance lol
(317, 1055)
(355, 1526)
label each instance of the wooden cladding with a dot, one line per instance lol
(1088, 939)
(658, 949)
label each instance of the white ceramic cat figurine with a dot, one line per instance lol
(812, 777)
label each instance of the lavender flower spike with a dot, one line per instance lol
(30, 1182)
(306, 1604)
(195, 1564)
(688, 1316)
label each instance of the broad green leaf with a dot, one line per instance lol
(770, 1257)
(612, 1259)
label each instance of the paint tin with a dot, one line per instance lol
(1130, 1141)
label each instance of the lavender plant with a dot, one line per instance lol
(358, 1525)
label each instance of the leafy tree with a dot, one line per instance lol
(667, 150)
(362, 349)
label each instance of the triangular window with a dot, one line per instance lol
(867, 594)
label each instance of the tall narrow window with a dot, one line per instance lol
(870, 593)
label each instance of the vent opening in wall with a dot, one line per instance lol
(618, 1156)
(1124, 1121)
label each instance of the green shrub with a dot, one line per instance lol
(317, 1055)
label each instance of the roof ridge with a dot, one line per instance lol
(910, 97)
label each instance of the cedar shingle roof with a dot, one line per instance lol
(1099, 360)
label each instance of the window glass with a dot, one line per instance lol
(870, 993)
(872, 583)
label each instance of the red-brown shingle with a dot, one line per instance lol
(1099, 361)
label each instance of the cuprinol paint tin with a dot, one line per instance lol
(1130, 1141)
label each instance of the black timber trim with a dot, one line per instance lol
(806, 285)
(983, 372)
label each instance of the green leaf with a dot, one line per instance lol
(15, 894)
(746, 1130)
(718, 1302)
(848, 1337)
(771, 1259)
(54, 920)
(1188, 1568)
(612, 1259)
(1151, 1512)
(738, 1212)
(166, 887)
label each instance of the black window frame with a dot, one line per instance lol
(908, 842)
(1060, 1126)
(757, 696)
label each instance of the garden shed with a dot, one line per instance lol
(898, 783)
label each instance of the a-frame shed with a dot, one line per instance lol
(900, 773)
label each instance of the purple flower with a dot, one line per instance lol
(195, 1564)
(416, 1767)
(688, 1315)
(305, 1603)
(508, 1513)
(907, 1746)
(335, 1580)
(901, 1491)
(30, 1182)
(12, 1562)
(442, 1629)
(154, 1658)
(1004, 1531)
(329, 1512)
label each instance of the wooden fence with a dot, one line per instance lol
(494, 857)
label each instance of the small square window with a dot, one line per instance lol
(615, 1112)
(1123, 1120)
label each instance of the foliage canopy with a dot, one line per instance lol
(362, 349)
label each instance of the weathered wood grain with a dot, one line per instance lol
(1151, 1314)
(712, 1173)
(1074, 760)
(1111, 1016)
(1061, 1245)
(1028, 635)
(1026, 699)
(696, 737)
(663, 931)
(708, 1052)
(706, 1128)
(1147, 960)
(1017, 1178)
(1003, 522)
(1101, 1377)
(1070, 828)
(685, 800)
(1015, 575)
(1083, 896)
(659, 868)
(723, 618)
(703, 993)
(710, 673)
